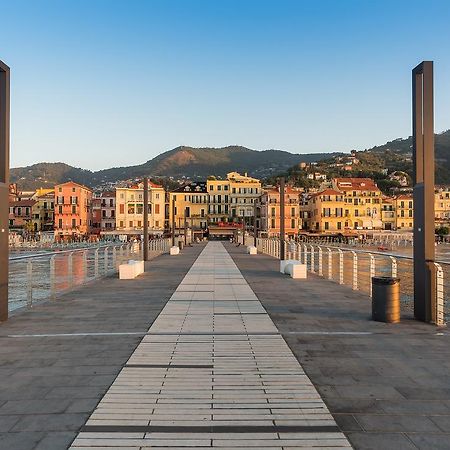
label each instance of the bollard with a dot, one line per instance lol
(386, 299)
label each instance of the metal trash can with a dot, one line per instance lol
(181, 245)
(386, 299)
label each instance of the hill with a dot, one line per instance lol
(189, 162)
(382, 163)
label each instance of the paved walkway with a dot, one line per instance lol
(58, 359)
(212, 371)
(387, 385)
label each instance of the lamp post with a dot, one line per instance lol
(282, 219)
(423, 155)
(4, 187)
(145, 219)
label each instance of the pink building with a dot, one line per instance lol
(73, 211)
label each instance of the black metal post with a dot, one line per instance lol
(145, 219)
(423, 154)
(185, 228)
(4, 187)
(282, 218)
(173, 221)
(255, 227)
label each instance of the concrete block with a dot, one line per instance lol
(283, 264)
(252, 250)
(131, 269)
(175, 250)
(296, 270)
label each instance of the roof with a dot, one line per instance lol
(351, 184)
(329, 191)
(23, 203)
(73, 182)
(404, 197)
(195, 186)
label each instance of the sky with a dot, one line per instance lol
(103, 83)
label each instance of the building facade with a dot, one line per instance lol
(271, 215)
(130, 209)
(73, 211)
(191, 207)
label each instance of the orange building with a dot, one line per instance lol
(73, 211)
(270, 211)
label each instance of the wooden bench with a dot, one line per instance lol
(131, 269)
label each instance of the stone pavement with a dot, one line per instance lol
(212, 371)
(58, 359)
(387, 385)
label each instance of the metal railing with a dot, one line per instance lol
(35, 278)
(356, 267)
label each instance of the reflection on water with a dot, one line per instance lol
(70, 269)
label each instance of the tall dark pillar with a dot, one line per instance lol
(255, 227)
(145, 219)
(282, 219)
(4, 188)
(173, 221)
(423, 154)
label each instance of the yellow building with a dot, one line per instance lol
(442, 206)
(404, 212)
(191, 205)
(130, 209)
(233, 199)
(388, 215)
(363, 202)
(244, 192)
(218, 200)
(44, 210)
(327, 212)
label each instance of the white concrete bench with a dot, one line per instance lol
(293, 268)
(131, 269)
(252, 250)
(175, 250)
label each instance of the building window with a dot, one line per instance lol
(273, 223)
(293, 223)
(327, 226)
(74, 223)
(157, 209)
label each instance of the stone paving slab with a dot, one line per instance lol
(58, 359)
(212, 372)
(386, 385)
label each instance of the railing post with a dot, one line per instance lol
(114, 256)
(29, 283)
(85, 266)
(341, 266)
(372, 272)
(52, 277)
(330, 263)
(439, 320)
(312, 259)
(320, 261)
(70, 268)
(105, 260)
(305, 255)
(355, 271)
(393, 267)
(96, 262)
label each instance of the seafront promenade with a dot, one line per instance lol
(216, 348)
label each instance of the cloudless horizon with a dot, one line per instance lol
(105, 83)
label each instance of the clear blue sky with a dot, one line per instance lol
(103, 83)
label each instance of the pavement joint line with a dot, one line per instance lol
(210, 429)
(169, 366)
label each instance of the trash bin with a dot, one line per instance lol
(386, 299)
(181, 245)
